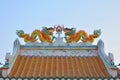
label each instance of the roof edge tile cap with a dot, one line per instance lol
(100, 43)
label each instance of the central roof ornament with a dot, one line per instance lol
(46, 35)
(58, 30)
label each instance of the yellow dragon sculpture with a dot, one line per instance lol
(72, 36)
(45, 35)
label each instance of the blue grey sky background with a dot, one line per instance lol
(87, 15)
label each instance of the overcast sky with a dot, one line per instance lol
(87, 15)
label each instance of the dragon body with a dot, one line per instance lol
(44, 35)
(72, 36)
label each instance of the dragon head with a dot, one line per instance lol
(69, 31)
(19, 32)
(97, 32)
(48, 31)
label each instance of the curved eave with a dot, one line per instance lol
(104, 56)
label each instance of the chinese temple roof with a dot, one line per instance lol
(58, 66)
(71, 56)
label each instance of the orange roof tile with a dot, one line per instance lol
(0, 71)
(118, 72)
(58, 66)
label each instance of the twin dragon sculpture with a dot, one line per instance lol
(46, 35)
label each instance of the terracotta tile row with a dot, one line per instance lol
(58, 66)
